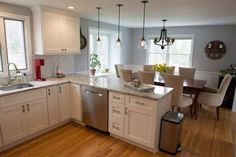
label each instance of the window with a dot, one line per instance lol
(178, 54)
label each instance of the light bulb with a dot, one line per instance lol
(142, 44)
(99, 43)
(118, 42)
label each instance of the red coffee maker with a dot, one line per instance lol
(37, 64)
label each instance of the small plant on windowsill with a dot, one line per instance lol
(94, 63)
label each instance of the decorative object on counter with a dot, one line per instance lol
(164, 40)
(38, 63)
(118, 41)
(231, 70)
(136, 83)
(83, 41)
(161, 69)
(98, 39)
(59, 73)
(94, 63)
(215, 49)
(142, 43)
(138, 86)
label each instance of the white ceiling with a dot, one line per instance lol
(178, 12)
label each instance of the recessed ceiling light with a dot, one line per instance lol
(71, 7)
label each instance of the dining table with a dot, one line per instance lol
(190, 86)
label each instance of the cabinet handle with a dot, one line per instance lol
(59, 89)
(116, 127)
(65, 49)
(62, 49)
(140, 103)
(116, 111)
(126, 110)
(28, 108)
(115, 97)
(49, 92)
(23, 108)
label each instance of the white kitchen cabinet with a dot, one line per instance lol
(75, 101)
(55, 31)
(64, 101)
(53, 105)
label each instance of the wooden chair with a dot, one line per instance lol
(118, 67)
(214, 97)
(146, 77)
(147, 68)
(178, 99)
(126, 75)
(187, 72)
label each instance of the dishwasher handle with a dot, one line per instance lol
(91, 92)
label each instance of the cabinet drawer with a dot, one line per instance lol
(116, 97)
(116, 126)
(141, 103)
(117, 109)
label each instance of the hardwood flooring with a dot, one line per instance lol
(205, 137)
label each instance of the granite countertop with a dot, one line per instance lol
(108, 82)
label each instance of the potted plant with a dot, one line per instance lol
(94, 63)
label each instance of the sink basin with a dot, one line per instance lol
(16, 86)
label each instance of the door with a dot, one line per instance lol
(37, 117)
(13, 123)
(75, 97)
(51, 33)
(64, 102)
(70, 30)
(53, 105)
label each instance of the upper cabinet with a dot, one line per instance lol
(55, 31)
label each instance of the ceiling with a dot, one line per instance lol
(178, 12)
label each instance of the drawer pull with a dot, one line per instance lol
(116, 127)
(116, 97)
(140, 103)
(28, 108)
(23, 108)
(116, 111)
(49, 92)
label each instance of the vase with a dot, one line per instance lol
(161, 75)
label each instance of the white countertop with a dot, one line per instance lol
(108, 82)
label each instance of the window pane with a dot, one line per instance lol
(15, 43)
(181, 46)
(179, 60)
(156, 58)
(102, 52)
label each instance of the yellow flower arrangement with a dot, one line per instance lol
(162, 68)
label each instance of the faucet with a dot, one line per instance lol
(9, 74)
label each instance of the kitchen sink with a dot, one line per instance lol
(16, 86)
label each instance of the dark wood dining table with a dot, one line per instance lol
(190, 86)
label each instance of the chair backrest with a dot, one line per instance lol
(126, 75)
(171, 70)
(187, 72)
(224, 84)
(146, 77)
(118, 67)
(147, 68)
(175, 82)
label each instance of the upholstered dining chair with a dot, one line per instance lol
(126, 75)
(146, 77)
(148, 68)
(214, 97)
(171, 70)
(187, 72)
(118, 67)
(178, 99)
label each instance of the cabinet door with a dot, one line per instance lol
(76, 107)
(64, 101)
(51, 33)
(37, 117)
(70, 34)
(13, 123)
(53, 105)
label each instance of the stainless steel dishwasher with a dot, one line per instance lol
(95, 107)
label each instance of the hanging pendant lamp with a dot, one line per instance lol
(98, 39)
(118, 41)
(142, 42)
(163, 40)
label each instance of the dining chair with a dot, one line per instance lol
(214, 97)
(118, 67)
(146, 77)
(178, 99)
(187, 72)
(171, 70)
(148, 68)
(126, 75)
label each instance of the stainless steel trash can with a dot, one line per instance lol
(171, 130)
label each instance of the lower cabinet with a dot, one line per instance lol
(64, 101)
(75, 101)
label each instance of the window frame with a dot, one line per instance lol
(191, 56)
(27, 42)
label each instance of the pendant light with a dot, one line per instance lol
(142, 42)
(98, 39)
(163, 40)
(118, 41)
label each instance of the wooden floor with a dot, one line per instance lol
(204, 137)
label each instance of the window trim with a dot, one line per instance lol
(28, 44)
(178, 36)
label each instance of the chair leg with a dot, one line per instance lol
(178, 109)
(218, 113)
(173, 107)
(191, 110)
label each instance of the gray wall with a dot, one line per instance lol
(81, 60)
(203, 34)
